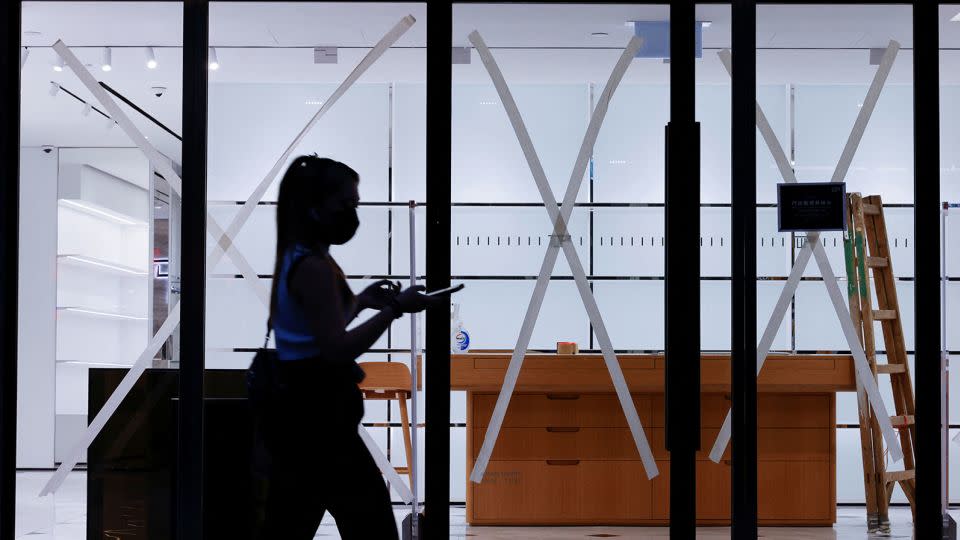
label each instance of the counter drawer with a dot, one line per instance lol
(560, 443)
(527, 492)
(560, 410)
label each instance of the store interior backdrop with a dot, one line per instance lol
(267, 88)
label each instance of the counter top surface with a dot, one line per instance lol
(802, 373)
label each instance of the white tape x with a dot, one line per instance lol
(812, 247)
(225, 245)
(560, 240)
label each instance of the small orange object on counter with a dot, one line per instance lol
(567, 347)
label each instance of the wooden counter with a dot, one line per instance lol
(565, 455)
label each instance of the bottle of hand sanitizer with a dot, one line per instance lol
(459, 337)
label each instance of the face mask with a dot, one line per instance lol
(337, 227)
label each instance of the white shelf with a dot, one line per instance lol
(100, 313)
(100, 265)
(85, 363)
(97, 211)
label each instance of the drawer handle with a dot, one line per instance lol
(563, 397)
(563, 429)
(563, 462)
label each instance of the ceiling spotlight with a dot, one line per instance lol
(706, 24)
(151, 58)
(54, 88)
(86, 109)
(214, 61)
(599, 34)
(107, 64)
(58, 64)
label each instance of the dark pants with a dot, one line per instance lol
(316, 461)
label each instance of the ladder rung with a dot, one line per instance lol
(884, 314)
(891, 369)
(877, 262)
(902, 420)
(899, 476)
(871, 209)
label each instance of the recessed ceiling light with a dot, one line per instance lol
(599, 34)
(58, 64)
(214, 61)
(151, 58)
(107, 64)
(706, 24)
(955, 18)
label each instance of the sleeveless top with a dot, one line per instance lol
(294, 337)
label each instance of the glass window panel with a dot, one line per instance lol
(628, 241)
(556, 118)
(93, 230)
(499, 230)
(629, 154)
(245, 141)
(884, 160)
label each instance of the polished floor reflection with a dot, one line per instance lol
(63, 517)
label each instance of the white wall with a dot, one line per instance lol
(37, 308)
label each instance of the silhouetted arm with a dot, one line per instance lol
(314, 284)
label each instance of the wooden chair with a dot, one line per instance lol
(386, 381)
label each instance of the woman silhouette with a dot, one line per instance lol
(317, 461)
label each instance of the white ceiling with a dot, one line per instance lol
(534, 43)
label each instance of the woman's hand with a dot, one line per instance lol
(412, 300)
(378, 295)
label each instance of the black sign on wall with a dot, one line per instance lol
(811, 206)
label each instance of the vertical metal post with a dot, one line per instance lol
(414, 418)
(194, 273)
(437, 350)
(945, 352)
(682, 295)
(9, 258)
(926, 186)
(743, 271)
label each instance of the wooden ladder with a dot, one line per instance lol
(868, 252)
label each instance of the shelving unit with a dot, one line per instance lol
(103, 284)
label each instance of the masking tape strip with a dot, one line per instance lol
(613, 365)
(251, 203)
(859, 357)
(113, 402)
(559, 218)
(766, 341)
(385, 466)
(813, 242)
(869, 104)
